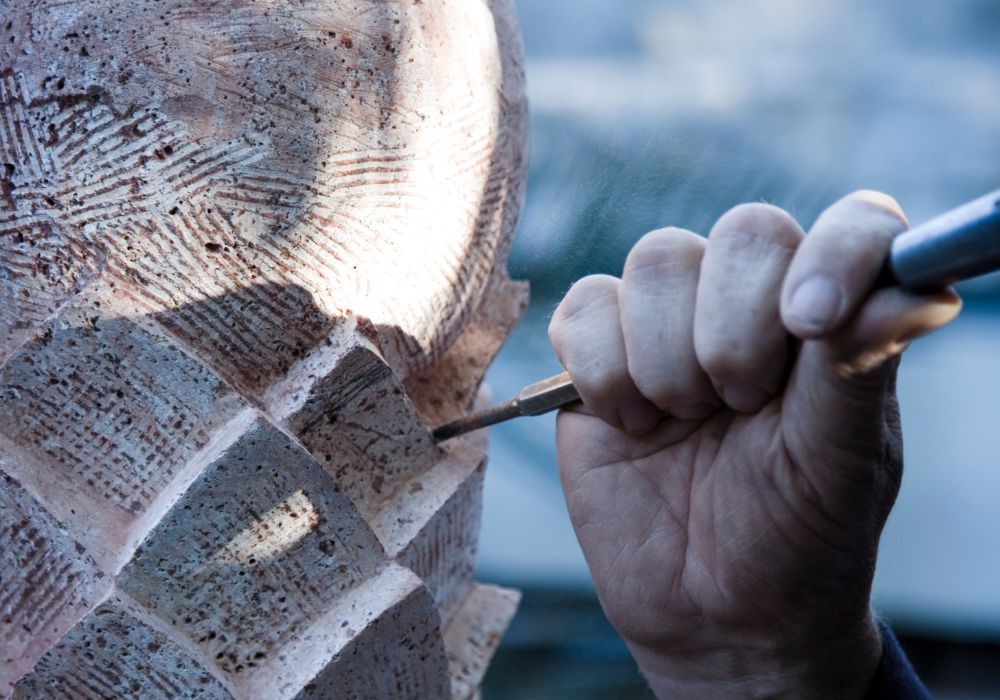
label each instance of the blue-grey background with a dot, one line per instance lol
(648, 113)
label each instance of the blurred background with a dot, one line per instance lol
(654, 112)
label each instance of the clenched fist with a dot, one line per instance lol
(738, 447)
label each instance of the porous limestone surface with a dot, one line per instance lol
(249, 253)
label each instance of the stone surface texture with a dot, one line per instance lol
(249, 252)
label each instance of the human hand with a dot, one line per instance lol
(738, 449)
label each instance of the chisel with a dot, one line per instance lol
(958, 245)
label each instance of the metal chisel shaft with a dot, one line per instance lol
(960, 244)
(533, 400)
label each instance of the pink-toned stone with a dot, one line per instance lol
(448, 389)
(249, 253)
(438, 536)
(393, 649)
(279, 163)
(113, 653)
(350, 411)
(47, 582)
(102, 414)
(258, 547)
(474, 633)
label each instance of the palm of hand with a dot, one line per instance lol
(710, 530)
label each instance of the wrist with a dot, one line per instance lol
(819, 666)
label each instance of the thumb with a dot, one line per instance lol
(840, 399)
(839, 417)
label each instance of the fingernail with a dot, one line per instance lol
(815, 305)
(693, 412)
(638, 417)
(745, 398)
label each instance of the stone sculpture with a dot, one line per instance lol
(250, 252)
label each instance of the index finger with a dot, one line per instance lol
(836, 266)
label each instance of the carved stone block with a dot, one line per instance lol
(249, 252)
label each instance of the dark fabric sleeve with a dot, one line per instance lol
(895, 678)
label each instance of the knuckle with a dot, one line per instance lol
(597, 378)
(726, 360)
(660, 390)
(601, 379)
(716, 364)
(590, 293)
(589, 290)
(667, 250)
(756, 222)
